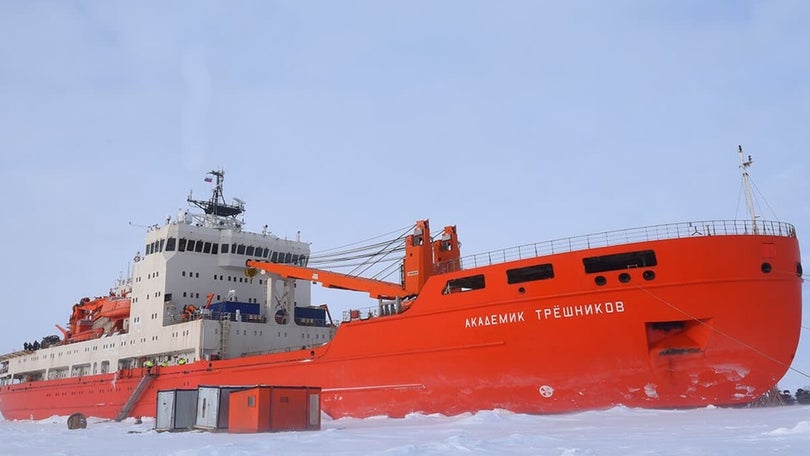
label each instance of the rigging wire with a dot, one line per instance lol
(349, 258)
(407, 228)
(343, 259)
(371, 254)
(363, 258)
(722, 333)
(351, 251)
(391, 268)
(352, 265)
(383, 252)
(764, 200)
(739, 199)
(756, 200)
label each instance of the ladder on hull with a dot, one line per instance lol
(133, 399)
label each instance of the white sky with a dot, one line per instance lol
(517, 121)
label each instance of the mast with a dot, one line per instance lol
(218, 213)
(749, 196)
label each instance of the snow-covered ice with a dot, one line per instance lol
(617, 431)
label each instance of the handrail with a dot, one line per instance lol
(625, 236)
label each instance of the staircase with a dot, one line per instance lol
(133, 399)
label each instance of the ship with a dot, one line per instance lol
(667, 316)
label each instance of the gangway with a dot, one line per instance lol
(133, 398)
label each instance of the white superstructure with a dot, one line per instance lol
(192, 298)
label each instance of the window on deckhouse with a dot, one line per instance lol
(530, 273)
(464, 284)
(619, 261)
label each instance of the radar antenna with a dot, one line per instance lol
(218, 213)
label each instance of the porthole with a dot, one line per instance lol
(799, 271)
(600, 280)
(624, 277)
(521, 290)
(766, 267)
(648, 275)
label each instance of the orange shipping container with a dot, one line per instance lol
(275, 408)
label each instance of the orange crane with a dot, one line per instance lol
(418, 266)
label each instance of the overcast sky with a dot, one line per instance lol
(517, 121)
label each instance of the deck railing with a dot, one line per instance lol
(626, 236)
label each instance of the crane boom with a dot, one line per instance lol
(375, 288)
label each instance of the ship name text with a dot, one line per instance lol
(580, 311)
(494, 319)
(547, 313)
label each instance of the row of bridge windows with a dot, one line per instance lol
(191, 245)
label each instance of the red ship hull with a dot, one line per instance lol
(708, 326)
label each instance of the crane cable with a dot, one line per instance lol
(382, 253)
(408, 228)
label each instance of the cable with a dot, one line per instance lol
(729, 336)
(408, 228)
(764, 200)
(382, 252)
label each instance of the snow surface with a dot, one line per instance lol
(617, 431)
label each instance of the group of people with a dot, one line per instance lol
(149, 364)
(802, 397)
(47, 341)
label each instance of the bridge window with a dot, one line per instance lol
(240, 249)
(170, 243)
(225, 248)
(207, 247)
(463, 284)
(181, 246)
(530, 273)
(619, 261)
(250, 250)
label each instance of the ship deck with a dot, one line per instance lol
(629, 236)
